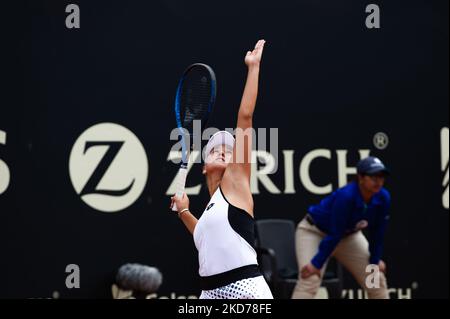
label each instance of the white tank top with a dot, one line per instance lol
(224, 237)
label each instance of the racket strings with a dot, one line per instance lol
(195, 97)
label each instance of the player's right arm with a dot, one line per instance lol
(186, 216)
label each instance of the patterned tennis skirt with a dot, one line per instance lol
(250, 288)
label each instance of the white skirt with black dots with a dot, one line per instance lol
(250, 288)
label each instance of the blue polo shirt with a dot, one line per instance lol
(344, 212)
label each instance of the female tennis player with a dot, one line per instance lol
(224, 234)
(334, 228)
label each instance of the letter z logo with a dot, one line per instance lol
(108, 167)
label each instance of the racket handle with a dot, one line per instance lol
(181, 182)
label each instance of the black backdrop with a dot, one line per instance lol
(327, 82)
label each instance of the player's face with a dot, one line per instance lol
(373, 183)
(219, 157)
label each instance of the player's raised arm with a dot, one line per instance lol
(239, 168)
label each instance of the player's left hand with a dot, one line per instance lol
(253, 58)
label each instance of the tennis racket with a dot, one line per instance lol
(194, 100)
